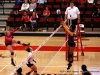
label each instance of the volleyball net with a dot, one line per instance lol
(46, 51)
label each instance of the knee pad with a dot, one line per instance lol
(12, 53)
(18, 42)
(35, 71)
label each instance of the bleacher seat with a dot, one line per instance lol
(40, 7)
(12, 14)
(96, 22)
(88, 14)
(51, 22)
(57, 22)
(16, 7)
(18, 22)
(90, 7)
(81, 7)
(20, 13)
(87, 22)
(59, 2)
(51, 2)
(10, 22)
(63, 8)
(55, 7)
(49, 6)
(42, 22)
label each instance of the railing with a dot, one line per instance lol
(2, 4)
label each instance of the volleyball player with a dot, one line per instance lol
(29, 62)
(9, 42)
(72, 16)
(71, 46)
(19, 71)
(84, 70)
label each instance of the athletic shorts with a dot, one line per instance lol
(29, 65)
(10, 43)
(71, 44)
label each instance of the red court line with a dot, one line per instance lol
(52, 48)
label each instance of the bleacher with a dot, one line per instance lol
(90, 22)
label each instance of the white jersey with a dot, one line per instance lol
(31, 58)
(72, 12)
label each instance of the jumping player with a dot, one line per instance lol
(29, 62)
(71, 45)
(9, 42)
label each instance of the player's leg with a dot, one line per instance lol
(9, 47)
(72, 45)
(19, 42)
(34, 69)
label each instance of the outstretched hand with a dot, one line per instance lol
(20, 27)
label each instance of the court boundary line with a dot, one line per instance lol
(7, 64)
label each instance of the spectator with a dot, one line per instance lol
(84, 70)
(25, 6)
(42, 1)
(46, 13)
(97, 1)
(19, 2)
(90, 1)
(25, 20)
(33, 20)
(32, 6)
(96, 13)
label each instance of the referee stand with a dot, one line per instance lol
(78, 41)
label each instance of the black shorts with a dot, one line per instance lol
(10, 43)
(29, 65)
(73, 26)
(71, 44)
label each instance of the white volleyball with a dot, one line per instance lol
(58, 11)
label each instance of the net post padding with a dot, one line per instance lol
(20, 65)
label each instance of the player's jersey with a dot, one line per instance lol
(30, 55)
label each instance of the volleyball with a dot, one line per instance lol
(58, 11)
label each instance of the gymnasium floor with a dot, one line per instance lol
(54, 61)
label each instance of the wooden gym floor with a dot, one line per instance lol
(52, 62)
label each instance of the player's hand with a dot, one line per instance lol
(20, 27)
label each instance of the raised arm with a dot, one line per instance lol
(12, 31)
